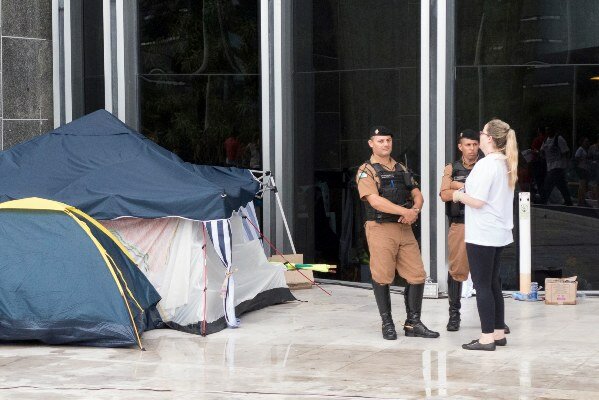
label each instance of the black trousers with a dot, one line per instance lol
(484, 267)
(556, 177)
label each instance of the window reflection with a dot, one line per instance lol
(93, 56)
(199, 79)
(532, 63)
(356, 64)
(198, 37)
(195, 116)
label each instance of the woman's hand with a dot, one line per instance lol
(456, 196)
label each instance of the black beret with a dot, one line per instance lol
(380, 131)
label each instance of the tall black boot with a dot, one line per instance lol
(454, 295)
(413, 326)
(383, 301)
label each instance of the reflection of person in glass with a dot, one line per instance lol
(232, 151)
(393, 202)
(556, 151)
(251, 154)
(454, 177)
(489, 197)
(537, 165)
(583, 169)
(594, 160)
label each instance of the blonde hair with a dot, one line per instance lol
(504, 138)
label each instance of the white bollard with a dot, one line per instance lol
(525, 258)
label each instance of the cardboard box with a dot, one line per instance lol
(560, 290)
(294, 279)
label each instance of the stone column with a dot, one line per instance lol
(26, 108)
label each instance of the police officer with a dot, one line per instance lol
(454, 177)
(393, 202)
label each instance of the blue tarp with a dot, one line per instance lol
(55, 286)
(100, 165)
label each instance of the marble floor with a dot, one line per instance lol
(327, 348)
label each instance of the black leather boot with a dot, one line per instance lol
(454, 295)
(413, 326)
(383, 301)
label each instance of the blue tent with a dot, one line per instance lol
(100, 165)
(64, 279)
(104, 168)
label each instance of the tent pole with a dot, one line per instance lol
(274, 188)
(267, 181)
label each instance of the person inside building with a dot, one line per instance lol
(583, 169)
(232, 151)
(593, 155)
(537, 166)
(489, 200)
(393, 202)
(556, 153)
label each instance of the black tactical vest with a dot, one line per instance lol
(395, 186)
(455, 211)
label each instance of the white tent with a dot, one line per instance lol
(207, 273)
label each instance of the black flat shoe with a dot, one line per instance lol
(506, 329)
(475, 345)
(501, 342)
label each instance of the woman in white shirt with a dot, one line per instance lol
(489, 196)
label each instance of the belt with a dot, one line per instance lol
(456, 220)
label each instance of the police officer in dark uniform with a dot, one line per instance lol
(393, 202)
(454, 177)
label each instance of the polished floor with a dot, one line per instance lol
(327, 348)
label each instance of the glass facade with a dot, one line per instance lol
(532, 63)
(93, 56)
(199, 79)
(356, 64)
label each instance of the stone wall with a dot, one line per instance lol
(26, 108)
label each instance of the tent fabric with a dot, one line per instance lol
(221, 237)
(100, 165)
(249, 212)
(63, 279)
(170, 251)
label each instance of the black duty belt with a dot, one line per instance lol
(456, 220)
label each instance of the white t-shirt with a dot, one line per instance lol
(490, 225)
(554, 152)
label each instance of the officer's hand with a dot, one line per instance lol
(456, 185)
(410, 216)
(403, 221)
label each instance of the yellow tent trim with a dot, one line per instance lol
(104, 230)
(124, 281)
(35, 203)
(104, 255)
